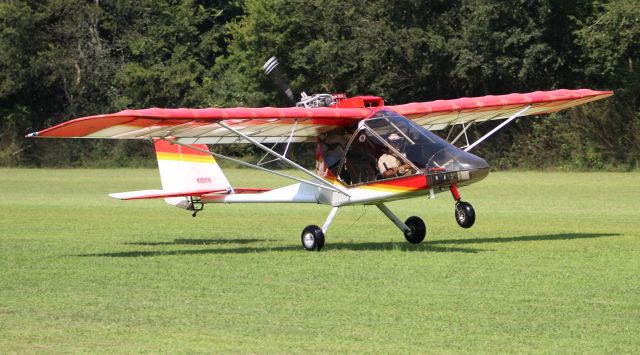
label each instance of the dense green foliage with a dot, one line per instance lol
(61, 59)
(551, 266)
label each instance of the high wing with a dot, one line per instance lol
(265, 124)
(300, 124)
(437, 115)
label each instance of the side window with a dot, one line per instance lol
(332, 148)
(359, 163)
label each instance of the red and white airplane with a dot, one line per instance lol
(366, 153)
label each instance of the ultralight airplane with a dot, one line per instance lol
(367, 153)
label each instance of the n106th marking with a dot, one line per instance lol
(203, 180)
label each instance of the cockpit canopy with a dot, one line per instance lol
(414, 149)
(419, 145)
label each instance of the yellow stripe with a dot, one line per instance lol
(186, 157)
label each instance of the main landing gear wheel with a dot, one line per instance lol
(312, 238)
(418, 230)
(465, 214)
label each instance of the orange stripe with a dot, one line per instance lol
(408, 184)
(390, 188)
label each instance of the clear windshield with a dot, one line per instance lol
(421, 147)
(389, 146)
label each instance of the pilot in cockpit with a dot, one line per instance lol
(389, 164)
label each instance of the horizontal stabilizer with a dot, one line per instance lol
(145, 194)
(148, 194)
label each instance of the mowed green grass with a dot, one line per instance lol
(551, 265)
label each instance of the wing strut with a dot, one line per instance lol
(249, 165)
(497, 128)
(464, 131)
(294, 165)
(286, 148)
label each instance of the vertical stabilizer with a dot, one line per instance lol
(185, 169)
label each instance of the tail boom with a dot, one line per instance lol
(188, 176)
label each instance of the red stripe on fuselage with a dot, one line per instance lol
(410, 183)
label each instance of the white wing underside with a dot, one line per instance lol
(274, 125)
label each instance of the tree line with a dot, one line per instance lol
(61, 59)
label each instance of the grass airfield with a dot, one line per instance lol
(551, 265)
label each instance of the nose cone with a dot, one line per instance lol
(452, 165)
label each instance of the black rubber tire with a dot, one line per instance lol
(465, 214)
(418, 230)
(312, 238)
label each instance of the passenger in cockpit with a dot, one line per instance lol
(389, 164)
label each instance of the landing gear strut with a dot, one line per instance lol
(413, 228)
(464, 212)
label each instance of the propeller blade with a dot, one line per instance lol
(272, 68)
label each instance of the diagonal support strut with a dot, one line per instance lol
(322, 181)
(497, 128)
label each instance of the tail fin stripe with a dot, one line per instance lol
(192, 158)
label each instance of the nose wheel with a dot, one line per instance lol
(465, 214)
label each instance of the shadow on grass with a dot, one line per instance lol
(403, 246)
(249, 250)
(203, 242)
(526, 238)
(429, 246)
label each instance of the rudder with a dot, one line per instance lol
(185, 169)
